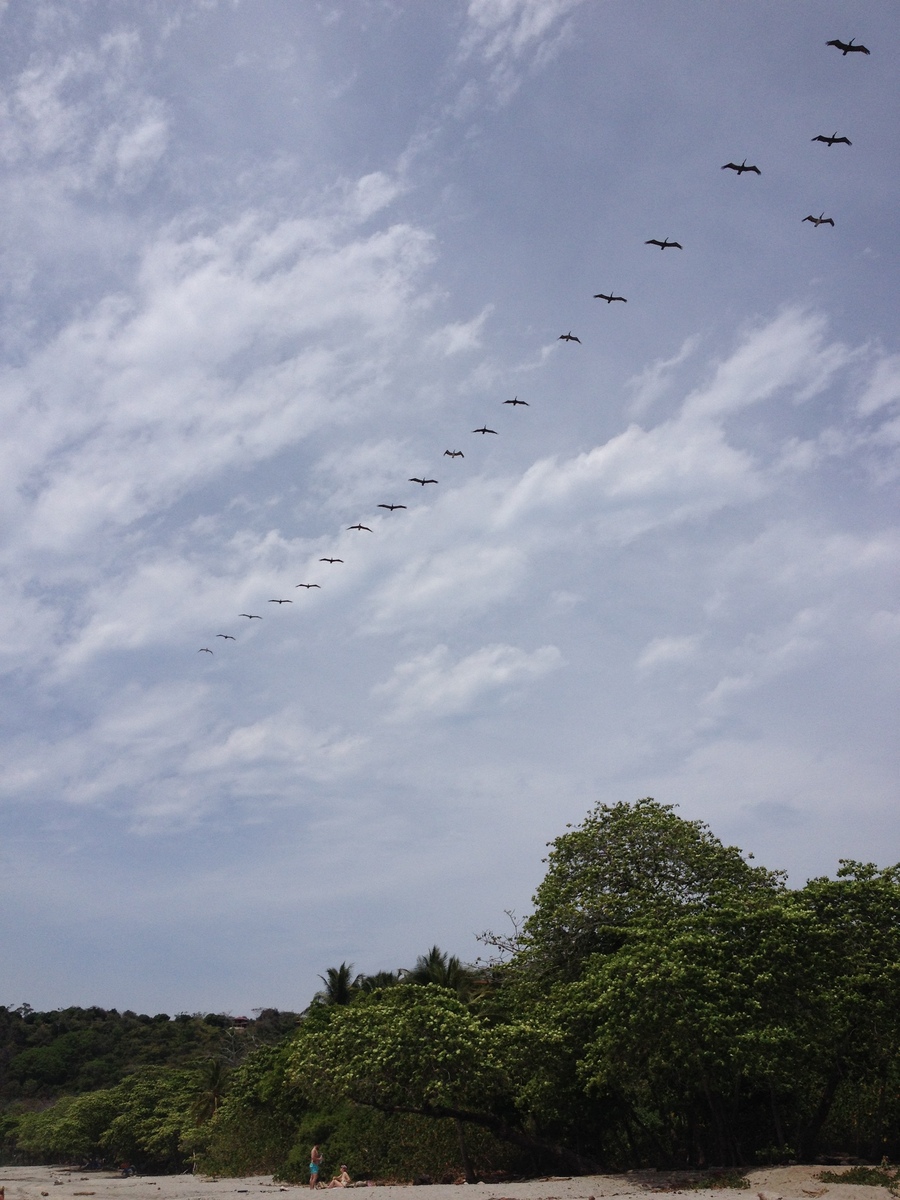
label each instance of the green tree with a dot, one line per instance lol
(255, 1124)
(418, 1049)
(73, 1128)
(623, 863)
(154, 1125)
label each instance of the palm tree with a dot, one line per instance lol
(443, 969)
(212, 1079)
(374, 983)
(339, 985)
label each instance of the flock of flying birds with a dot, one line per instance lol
(741, 168)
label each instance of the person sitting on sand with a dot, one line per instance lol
(342, 1180)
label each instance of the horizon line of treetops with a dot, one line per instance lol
(339, 987)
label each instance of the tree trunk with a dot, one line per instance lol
(464, 1152)
(569, 1160)
(776, 1119)
(809, 1138)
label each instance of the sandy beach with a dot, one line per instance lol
(766, 1183)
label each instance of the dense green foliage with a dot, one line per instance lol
(666, 1003)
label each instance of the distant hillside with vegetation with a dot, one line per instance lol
(667, 1003)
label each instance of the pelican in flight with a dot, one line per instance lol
(821, 219)
(204, 650)
(391, 507)
(831, 141)
(331, 560)
(742, 168)
(281, 602)
(251, 616)
(484, 429)
(664, 244)
(308, 585)
(609, 298)
(516, 400)
(453, 454)
(415, 479)
(225, 635)
(569, 337)
(847, 47)
(367, 529)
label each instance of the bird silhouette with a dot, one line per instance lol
(204, 650)
(609, 297)
(415, 479)
(308, 585)
(367, 529)
(664, 244)
(847, 47)
(742, 168)
(819, 220)
(831, 141)
(331, 560)
(226, 635)
(391, 507)
(281, 602)
(569, 337)
(516, 400)
(251, 616)
(484, 429)
(453, 454)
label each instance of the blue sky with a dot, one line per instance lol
(265, 262)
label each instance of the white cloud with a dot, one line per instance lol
(502, 33)
(460, 335)
(83, 119)
(763, 658)
(789, 354)
(883, 387)
(650, 384)
(433, 685)
(662, 651)
(447, 584)
(507, 28)
(160, 757)
(149, 394)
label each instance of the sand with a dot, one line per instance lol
(766, 1183)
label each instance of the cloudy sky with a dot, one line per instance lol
(263, 262)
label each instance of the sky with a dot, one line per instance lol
(263, 263)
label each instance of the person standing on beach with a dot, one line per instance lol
(315, 1160)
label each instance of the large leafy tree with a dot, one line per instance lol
(419, 1049)
(624, 863)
